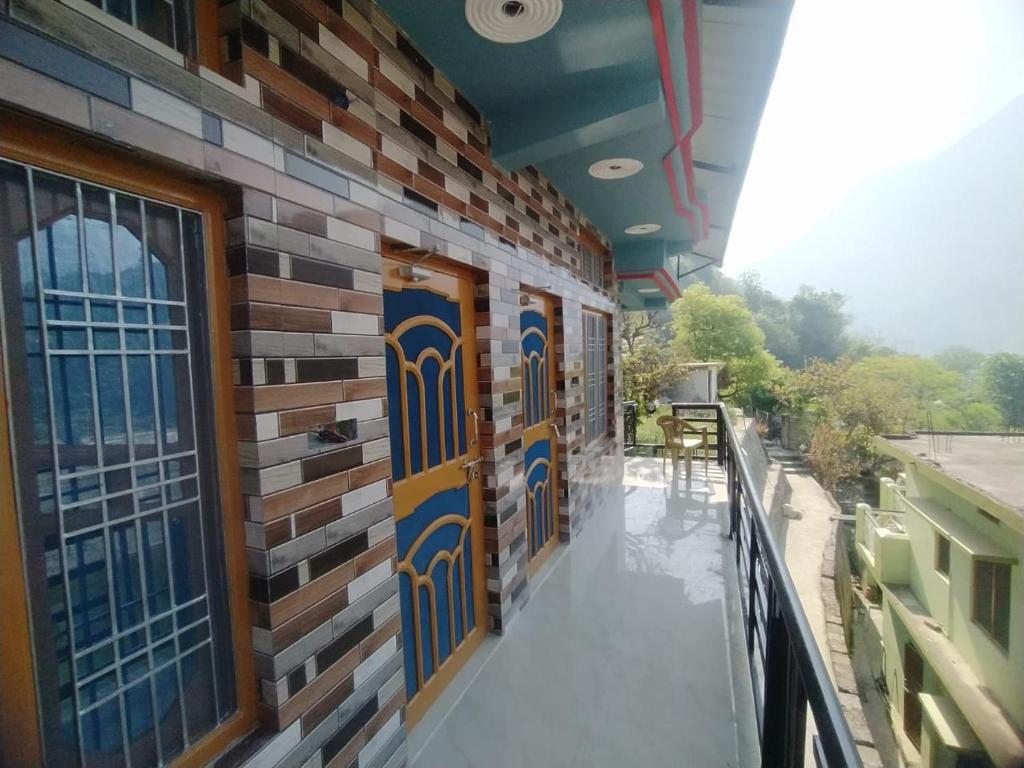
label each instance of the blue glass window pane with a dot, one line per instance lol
(113, 425)
(99, 251)
(175, 404)
(57, 232)
(104, 311)
(164, 244)
(73, 413)
(85, 562)
(101, 735)
(128, 246)
(158, 586)
(127, 583)
(196, 677)
(188, 567)
(168, 711)
(140, 390)
(138, 706)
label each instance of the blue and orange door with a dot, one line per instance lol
(430, 348)
(540, 448)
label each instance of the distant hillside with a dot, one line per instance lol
(937, 254)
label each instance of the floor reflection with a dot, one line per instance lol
(628, 652)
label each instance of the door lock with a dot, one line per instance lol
(470, 467)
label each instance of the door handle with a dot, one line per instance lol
(558, 432)
(470, 467)
(476, 426)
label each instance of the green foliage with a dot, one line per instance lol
(830, 455)
(646, 371)
(710, 327)
(918, 386)
(981, 417)
(1002, 377)
(647, 430)
(858, 348)
(847, 410)
(963, 360)
(650, 327)
(819, 323)
(772, 316)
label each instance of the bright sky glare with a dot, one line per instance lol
(864, 86)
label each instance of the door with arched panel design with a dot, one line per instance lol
(540, 449)
(430, 348)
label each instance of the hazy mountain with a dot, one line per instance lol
(931, 254)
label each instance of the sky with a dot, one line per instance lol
(865, 88)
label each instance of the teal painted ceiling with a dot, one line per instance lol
(592, 88)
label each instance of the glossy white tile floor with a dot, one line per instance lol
(629, 652)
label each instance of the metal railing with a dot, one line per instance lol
(787, 670)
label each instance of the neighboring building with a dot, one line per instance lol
(310, 342)
(699, 383)
(942, 557)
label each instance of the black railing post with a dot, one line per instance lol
(754, 554)
(785, 699)
(733, 483)
(793, 677)
(722, 441)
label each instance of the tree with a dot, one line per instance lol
(859, 347)
(819, 323)
(1002, 377)
(634, 326)
(646, 369)
(920, 389)
(721, 328)
(830, 456)
(963, 360)
(845, 412)
(648, 326)
(709, 327)
(981, 417)
(772, 316)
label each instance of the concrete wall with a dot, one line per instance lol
(948, 600)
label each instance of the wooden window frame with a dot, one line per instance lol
(988, 629)
(36, 143)
(940, 540)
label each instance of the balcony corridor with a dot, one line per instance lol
(628, 653)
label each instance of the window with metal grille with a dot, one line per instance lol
(595, 345)
(169, 21)
(108, 353)
(990, 607)
(591, 267)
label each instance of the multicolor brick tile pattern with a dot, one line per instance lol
(330, 136)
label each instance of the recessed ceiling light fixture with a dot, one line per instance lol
(615, 168)
(642, 229)
(648, 290)
(512, 21)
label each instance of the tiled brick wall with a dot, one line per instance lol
(313, 191)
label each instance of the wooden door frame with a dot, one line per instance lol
(417, 707)
(39, 144)
(548, 310)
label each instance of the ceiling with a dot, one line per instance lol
(675, 84)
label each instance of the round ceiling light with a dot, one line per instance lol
(615, 168)
(512, 21)
(642, 229)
